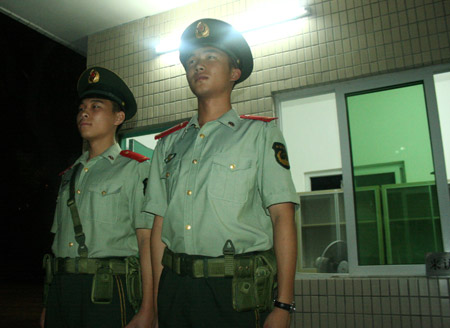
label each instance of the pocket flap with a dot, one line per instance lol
(233, 164)
(105, 189)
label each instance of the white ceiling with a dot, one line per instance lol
(69, 22)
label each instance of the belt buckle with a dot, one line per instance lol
(185, 266)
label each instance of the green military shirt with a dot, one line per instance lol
(215, 183)
(109, 196)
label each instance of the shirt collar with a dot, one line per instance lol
(230, 119)
(193, 123)
(110, 154)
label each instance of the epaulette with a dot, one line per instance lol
(259, 118)
(171, 130)
(136, 156)
(64, 172)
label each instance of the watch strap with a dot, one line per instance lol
(285, 306)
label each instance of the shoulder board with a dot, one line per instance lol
(64, 172)
(136, 156)
(171, 130)
(259, 118)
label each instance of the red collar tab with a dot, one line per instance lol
(171, 130)
(136, 156)
(259, 118)
(64, 172)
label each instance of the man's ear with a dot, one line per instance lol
(235, 74)
(120, 117)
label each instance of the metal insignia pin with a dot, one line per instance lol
(202, 30)
(94, 76)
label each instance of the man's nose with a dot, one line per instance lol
(199, 66)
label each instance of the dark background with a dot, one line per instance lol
(39, 102)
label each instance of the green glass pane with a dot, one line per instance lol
(398, 221)
(141, 149)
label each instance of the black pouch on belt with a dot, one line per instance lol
(102, 286)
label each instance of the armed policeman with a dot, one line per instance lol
(99, 274)
(223, 198)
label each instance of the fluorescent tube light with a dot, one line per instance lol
(262, 18)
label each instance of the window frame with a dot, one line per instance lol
(144, 130)
(340, 90)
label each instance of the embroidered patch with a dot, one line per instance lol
(170, 157)
(281, 155)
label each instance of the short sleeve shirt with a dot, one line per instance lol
(215, 183)
(109, 196)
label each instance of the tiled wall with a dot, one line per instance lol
(372, 302)
(342, 39)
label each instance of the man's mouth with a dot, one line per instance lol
(200, 78)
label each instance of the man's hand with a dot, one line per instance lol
(142, 319)
(42, 319)
(278, 318)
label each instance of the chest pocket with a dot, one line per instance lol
(104, 201)
(230, 179)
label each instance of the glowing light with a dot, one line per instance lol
(262, 24)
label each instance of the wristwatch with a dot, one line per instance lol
(285, 306)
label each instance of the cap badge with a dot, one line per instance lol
(94, 76)
(202, 30)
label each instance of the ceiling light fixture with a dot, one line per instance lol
(261, 19)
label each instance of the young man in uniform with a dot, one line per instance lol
(101, 235)
(223, 197)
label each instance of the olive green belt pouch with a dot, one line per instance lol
(134, 282)
(254, 282)
(102, 286)
(47, 265)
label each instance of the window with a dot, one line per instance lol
(143, 141)
(387, 141)
(387, 126)
(310, 127)
(442, 82)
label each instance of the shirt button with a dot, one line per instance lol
(103, 193)
(194, 161)
(86, 169)
(232, 166)
(202, 136)
(78, 191)
(189, 192)
(167, 174)
(188, 227)
(70, 244)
